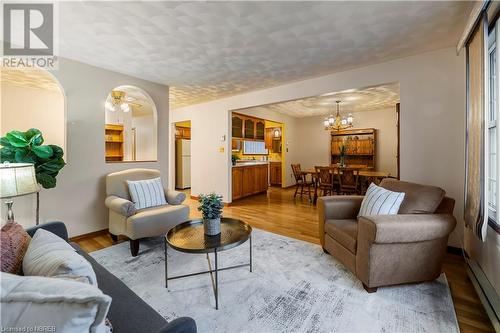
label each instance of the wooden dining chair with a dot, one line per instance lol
(301, 182)
(324, 180)
(348, 181)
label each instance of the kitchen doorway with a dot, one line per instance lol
(183, 155)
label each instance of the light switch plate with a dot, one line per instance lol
(221, 149)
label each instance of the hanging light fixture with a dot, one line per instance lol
(338, 122)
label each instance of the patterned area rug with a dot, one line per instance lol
(294, 287)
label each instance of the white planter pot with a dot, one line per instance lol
(211, 226)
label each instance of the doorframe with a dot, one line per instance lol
(398, 126)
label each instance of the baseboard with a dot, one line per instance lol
(455, 250)
(88, 235)
(486, 293)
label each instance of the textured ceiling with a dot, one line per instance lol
(352, 100)
(208, 50)
(35, 78)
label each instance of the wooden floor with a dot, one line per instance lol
(277, 212)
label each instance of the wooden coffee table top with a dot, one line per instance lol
(190, 237)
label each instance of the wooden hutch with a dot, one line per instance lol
(360, 146)
(114, 142)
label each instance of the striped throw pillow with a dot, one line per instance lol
(379, 201)
(147, 193)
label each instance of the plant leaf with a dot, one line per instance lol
(32, 132)
(17, 139)
(58, 152)
(36, 140)
(23, 156)
(5, 142)
(46, 180)
(42, 151)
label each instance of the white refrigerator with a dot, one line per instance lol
(182, 163)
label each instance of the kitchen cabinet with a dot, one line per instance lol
(260, 127)
(269, 138)
(249, 128)
(237, 127)
(275, 173)
(235, 144)
(183, 133)
(249, 180)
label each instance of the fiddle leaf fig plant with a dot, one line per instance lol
(27, 147)
(210, 206)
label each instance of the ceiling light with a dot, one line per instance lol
(338, 122)
(125, 107)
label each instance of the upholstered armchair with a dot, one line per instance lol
(384, 250)
(126, 220)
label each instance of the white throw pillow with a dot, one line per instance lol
(379, 201)
(57, 304)
(147, 193)
(51, 256)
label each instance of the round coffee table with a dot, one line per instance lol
(189, 237)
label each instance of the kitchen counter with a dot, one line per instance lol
(250, 178)
(250, 163)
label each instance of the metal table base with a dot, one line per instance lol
(216, 270)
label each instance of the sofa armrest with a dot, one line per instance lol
(174, 197)
(121, 206)
(58, 228)
(180, 325)
(338, 207)
(404, 228)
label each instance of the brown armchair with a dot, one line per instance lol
(384, 250)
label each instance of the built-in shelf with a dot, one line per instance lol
(113, 137)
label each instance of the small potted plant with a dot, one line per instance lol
(211, 209)
(234, 159)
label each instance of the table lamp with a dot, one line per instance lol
(16, 179)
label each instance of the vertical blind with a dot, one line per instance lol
(475, 182)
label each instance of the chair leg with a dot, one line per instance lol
(113, 237)
(134, 247)
(296, 190)
(370, 290)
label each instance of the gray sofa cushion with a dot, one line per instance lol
(128, 312)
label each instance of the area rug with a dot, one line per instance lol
(294, 287)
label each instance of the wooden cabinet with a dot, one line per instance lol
(260, 127)
(114, 142)
(269, 138)
(275, 173)
(237, 183)
(249, 129)
(360, 146)
(237, 128)
(182, 132)
(249, 180)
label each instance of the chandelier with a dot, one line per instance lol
(337, 122)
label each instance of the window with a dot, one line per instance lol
(492, 128)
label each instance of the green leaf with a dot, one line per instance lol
(46, 180)
(17, 139)
(36, 140)
(57, 151)
(5, 142)
(23, 156)
(29, 134)
(42, 151)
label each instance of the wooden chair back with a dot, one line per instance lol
(348, 179)
(324, 175)
(297, 173)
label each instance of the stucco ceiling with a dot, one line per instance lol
(39, 79)
(208, 50)
(352, 100)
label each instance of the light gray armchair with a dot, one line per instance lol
(125, 220)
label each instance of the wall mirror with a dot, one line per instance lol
(131, 127)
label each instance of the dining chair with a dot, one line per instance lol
(348, 181)
(301, 182)
(325, 180)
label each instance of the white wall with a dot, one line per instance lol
(78, 199)
(432, 95)
(314, 143)
(145, 130)
(24, 108)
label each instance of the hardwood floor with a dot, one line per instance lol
(277, 212)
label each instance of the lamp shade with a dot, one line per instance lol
(17, 179)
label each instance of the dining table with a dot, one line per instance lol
(366, 175)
